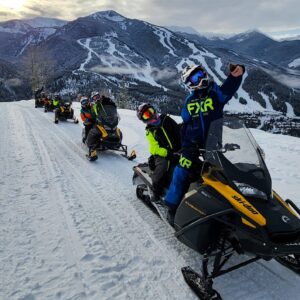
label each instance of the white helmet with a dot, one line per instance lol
(195, 77)
(95, 96)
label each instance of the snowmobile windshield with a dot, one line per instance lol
(231, 147)
(108, 115)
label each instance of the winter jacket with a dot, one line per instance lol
(203, 107)
(87, 115)
(164, 137)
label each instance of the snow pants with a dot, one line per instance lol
(182, 175)
(93, 138)
(160, 174)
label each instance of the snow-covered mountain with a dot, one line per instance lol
(138, 61)
(256, 44)
(44, 22)
(74, 230)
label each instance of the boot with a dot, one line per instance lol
(171, 214)
(92, 156)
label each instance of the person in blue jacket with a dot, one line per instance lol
(204, 105)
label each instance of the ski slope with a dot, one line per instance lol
(72, 229)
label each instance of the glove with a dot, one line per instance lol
(87, 122)
(173, 157)
(151, 162)
(232, 67)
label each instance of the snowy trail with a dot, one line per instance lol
(71, 229)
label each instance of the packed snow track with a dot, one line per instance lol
(72, 229)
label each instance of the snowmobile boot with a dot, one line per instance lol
(92, 156)
(171, 214)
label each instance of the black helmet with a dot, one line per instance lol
(146, 112)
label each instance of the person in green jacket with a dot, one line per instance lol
(163, 135)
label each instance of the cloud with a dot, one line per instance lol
(291, 80)
(164, 74)
(220, 16)
(114, 70)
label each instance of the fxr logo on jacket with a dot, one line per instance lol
(198, 105)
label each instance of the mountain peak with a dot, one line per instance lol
(109, 15)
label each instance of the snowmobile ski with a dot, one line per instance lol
(131, 156)
(91, 157)
(200, 286)
(291, 262)
(143, 194)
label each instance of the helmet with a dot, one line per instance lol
(95, 96)
(57, 97)
(84, 101)
(146, 112)
(195, 77)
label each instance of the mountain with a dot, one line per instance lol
(138, 61)
(11, 83)
(44, 22)
(257, 45)
(181, 29)
(17, 35)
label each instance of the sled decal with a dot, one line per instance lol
(103, 131)
(237, 200)
(277, 197)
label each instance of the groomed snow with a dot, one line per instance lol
(71, 229)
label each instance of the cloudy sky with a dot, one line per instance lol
(219, 16)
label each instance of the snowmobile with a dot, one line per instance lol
(48, 105)
(107, 123)
(39, 102)
(231, 208)
(65, 112)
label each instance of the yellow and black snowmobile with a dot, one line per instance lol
(232, 208)
(111, 135)
(65, 112)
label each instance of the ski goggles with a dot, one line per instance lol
(148, 114)
(196, 78)
(96, 97)
(84, 102)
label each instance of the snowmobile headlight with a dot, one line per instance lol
(250, 191)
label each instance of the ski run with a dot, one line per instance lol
(72, 229)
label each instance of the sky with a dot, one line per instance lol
(274, 17)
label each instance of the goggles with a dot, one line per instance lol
(197, 77)
(84, 102)
(148, 114)
(96, 97)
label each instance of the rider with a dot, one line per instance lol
(87, 116)
(163, 135)
(37, 95)
(56, 104)
(98, 132)
(204, 105)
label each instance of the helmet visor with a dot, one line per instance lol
(197, 77)
(148, 114)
